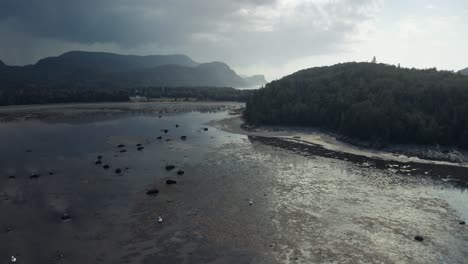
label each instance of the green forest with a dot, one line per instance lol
(376, 103)
(50, 94)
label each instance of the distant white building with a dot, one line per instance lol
(138, 98)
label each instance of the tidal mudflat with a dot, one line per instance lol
(160, 183)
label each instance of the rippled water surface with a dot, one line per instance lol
(239, 200)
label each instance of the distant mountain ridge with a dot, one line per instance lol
(464, 71)
(255, 80)
(96, 69)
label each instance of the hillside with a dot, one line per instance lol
(377, 103)
(96, 69)
(255, 80)
(464, 71)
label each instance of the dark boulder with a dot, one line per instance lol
(140, 148)
(51, 173)
(123, 151)
(138, 145)
(98, 162)
(118, 171)
(205, 129)
(65, 217)
(176, 125)
(170, 167)
(34, 176)
(12, 177)
(106, 167)
(419, 238)
(152, 192)
(180, 172)
(165, 131)
(99, 157)
(462, 223)
(159, 137)
(121, 146)
(171, 182)
(183, 137)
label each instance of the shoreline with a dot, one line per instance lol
(328, 141)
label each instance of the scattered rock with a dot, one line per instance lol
(183, 137)
(123, 151)
(99, 157)
(12, 177)
(106, 167)
(118, 171)
(28, 150)
(65, 217)
(121, 146)
(180, 172)
(140, 148)
(251, 202)
(160, 219)
(462, 223)
(171, 182)
(138, 145)
(152, 192)
(165, 131)
(419, 238)
(159, 137)
(176, 125)
(34, 176)
(170, 167)
(168, 139)
(98, 162)
(205, 129)
(13, 259)
(58, 256)
(51, 173)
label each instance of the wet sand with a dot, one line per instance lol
(241, 198)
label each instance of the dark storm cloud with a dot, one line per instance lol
(237, 31)
(121, 21)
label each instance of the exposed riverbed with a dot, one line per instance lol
(242, 198)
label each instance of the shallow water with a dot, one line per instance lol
(305, 208)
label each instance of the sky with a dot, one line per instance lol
(270, 37)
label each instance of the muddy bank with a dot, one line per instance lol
(104, 111)
(417, 154)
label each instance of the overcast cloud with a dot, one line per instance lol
(273, 37)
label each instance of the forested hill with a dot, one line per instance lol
(374, 102)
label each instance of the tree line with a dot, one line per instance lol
(58, 94)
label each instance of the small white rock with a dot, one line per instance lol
(160, 219)
(13, 259)
(250, 202)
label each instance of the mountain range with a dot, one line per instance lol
(97, 69)
(464, 71)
